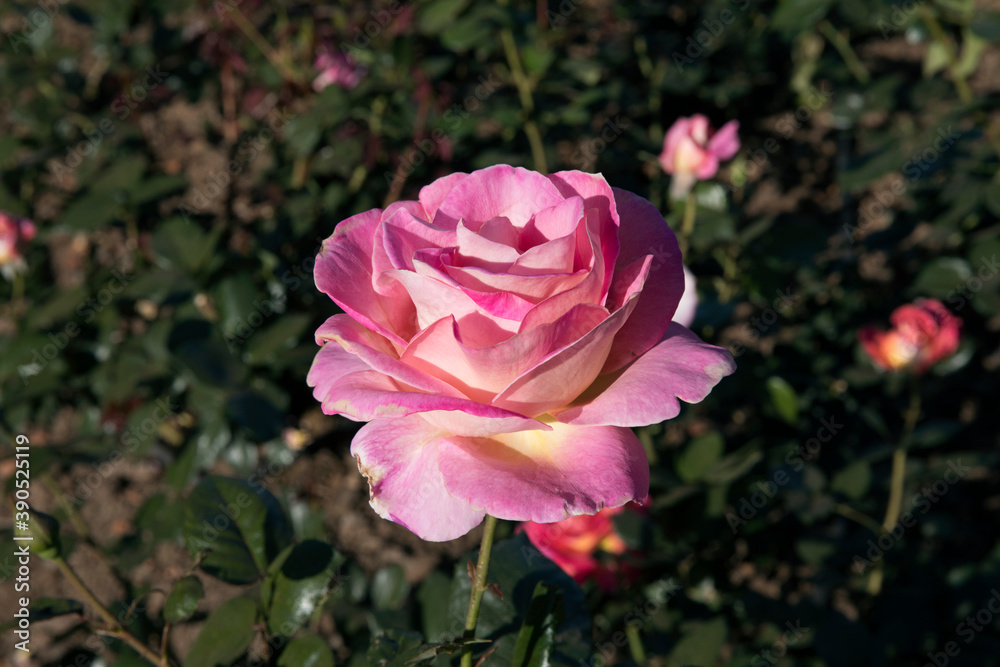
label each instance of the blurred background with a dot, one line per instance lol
(182, 161)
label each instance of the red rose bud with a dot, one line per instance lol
(922, 334)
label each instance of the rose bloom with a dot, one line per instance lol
(15, 232)
(501, 335)
(922, 334)
(692, 151)
(573, 543)
(336, 68)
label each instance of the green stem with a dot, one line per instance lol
(687, 223)
(527, 101)
(898, 479)
(843, 47)
(635, 646)
(115, 627)
(478, 587)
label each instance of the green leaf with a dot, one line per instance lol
(940, 276)
(183, 600)
(700, 454)
(390, 589)
(225, 636)
(266, 345)
(298, 580)
(241, 527)
(517, 567)
(393, 647)
(306, 651)
(794, 16)
(936, 58)
(536, 639)
(854, 480)
(783, 398)
(735, 465)
(701, 643)
(987, 26)
(438, 15)
(91, 211)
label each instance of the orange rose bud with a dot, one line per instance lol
(922, 334)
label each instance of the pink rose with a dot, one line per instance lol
(15, 232)
(923, 334)
(692, 151)
(501, 335)
(336, 68)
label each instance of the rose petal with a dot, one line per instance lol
(688, 305)
(432, 195)
(646, 392)
(546, 476)
(646, 234)
(480, 373)
(565, 374)
(501, 190)
(399, 457)
(344, 272)
(726, 142)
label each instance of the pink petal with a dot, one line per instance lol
(599, 197)
(552, 223)
(480, 373)
(726, 142)
(688, 305)
(478, 250)
(501, 190)
(432, 195)
(678, 132)
(355, 374)
(344, 272)
(564, 375)
(646, 392)
(399, 457)
(645, 233)
(546, 476)
(402, 234)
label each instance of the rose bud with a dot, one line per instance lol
(692, 151)
(922, 334)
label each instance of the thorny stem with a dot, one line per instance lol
(115, 627)
(478, 587)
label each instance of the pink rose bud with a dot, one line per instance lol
(15, 232)
(692, 151)
(923, 334)
(336, 68)
(501, 335)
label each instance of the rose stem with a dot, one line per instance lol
(898, 479)
(108, 617)
(478, 587)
